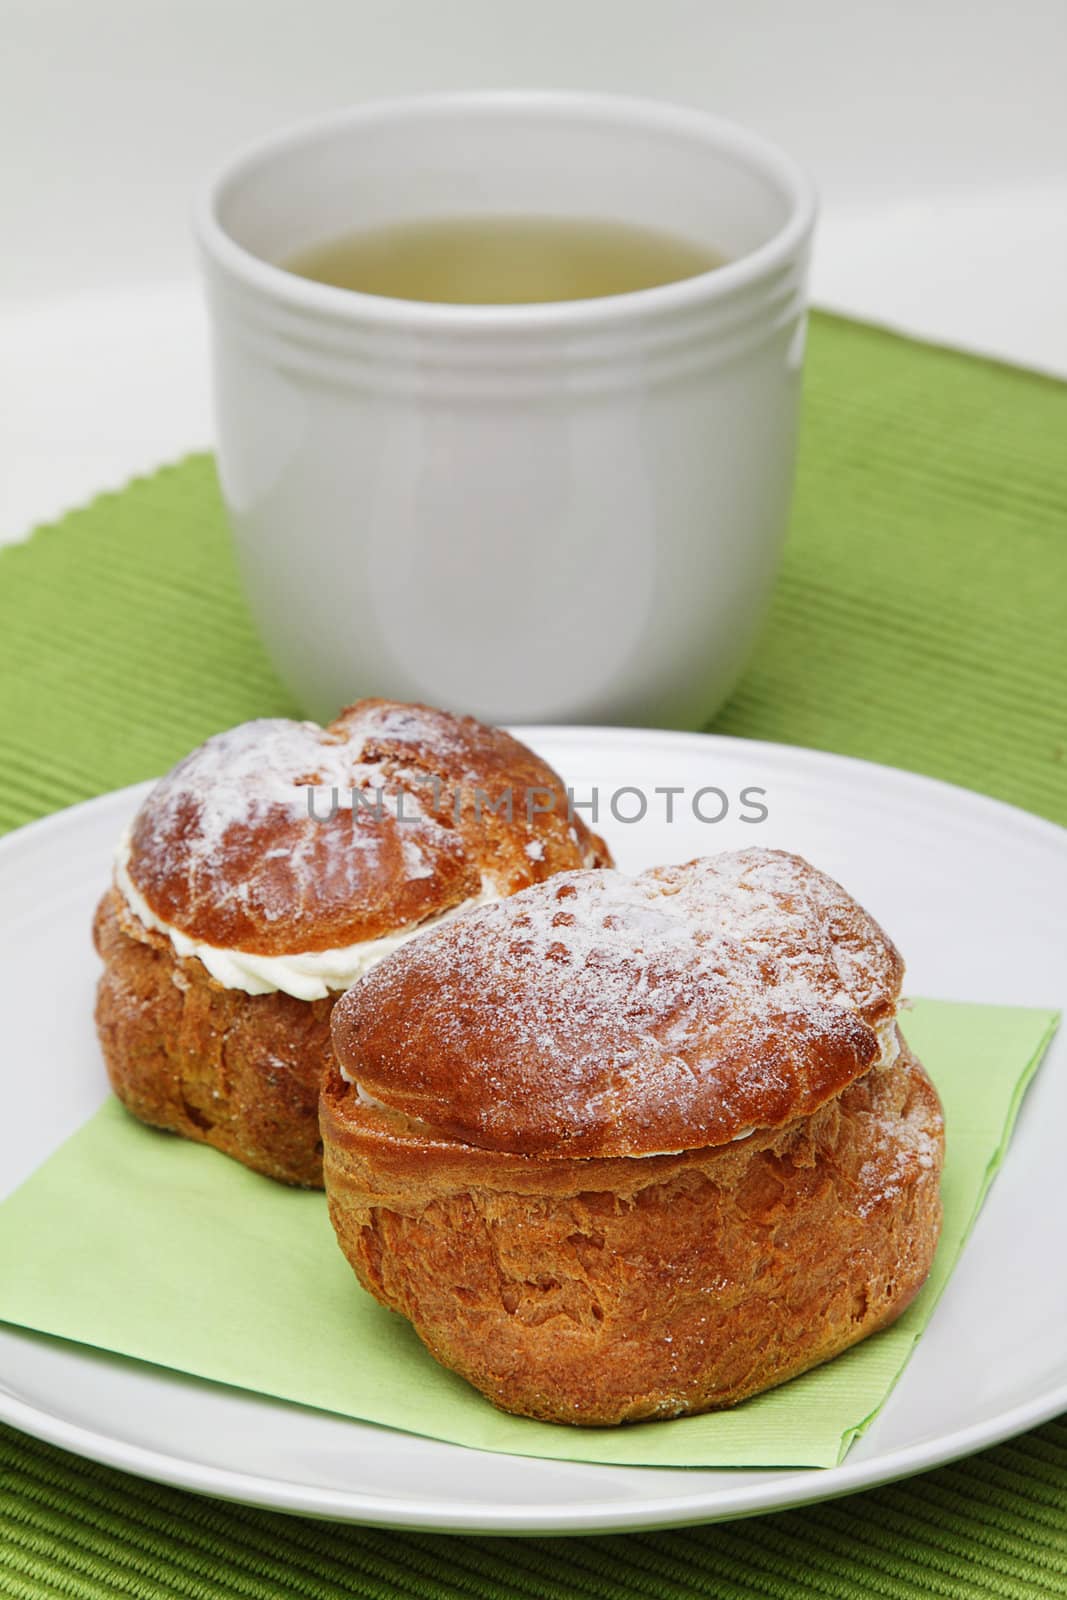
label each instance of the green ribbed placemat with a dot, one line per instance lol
(921, 620)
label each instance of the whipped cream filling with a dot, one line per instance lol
(888, 1051)
(305, 974)
(888, 1042)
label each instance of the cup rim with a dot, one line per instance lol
(352, 306)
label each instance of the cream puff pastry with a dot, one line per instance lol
(626, 1148)
(270, 869)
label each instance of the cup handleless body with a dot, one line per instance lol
(551, 512)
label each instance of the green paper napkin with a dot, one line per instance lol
(140, 1243)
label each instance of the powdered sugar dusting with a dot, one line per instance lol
(251, 773)
(420, 728)
(747, 923)
(901, 1144)
(279, 836)
(206, 835)
(688, 1003)
(416, 862)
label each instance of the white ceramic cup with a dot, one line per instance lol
(551, 512)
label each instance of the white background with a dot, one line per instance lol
(937, 133)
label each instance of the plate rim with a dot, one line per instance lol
(519, 1518)
(603, 733)
(788, 1487)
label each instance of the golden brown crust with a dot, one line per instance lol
(603, 1291)
(599, 1015)
(225, 850)
(237, 1071)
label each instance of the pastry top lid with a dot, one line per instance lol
(604, 1015)
(257, 842)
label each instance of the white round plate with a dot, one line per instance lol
(973, 892)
